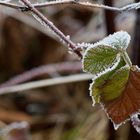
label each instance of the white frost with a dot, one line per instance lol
(102, 73)
(119, 40)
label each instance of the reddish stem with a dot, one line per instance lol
(44, 19)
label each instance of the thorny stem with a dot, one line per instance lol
(126, 58)
(70, 44)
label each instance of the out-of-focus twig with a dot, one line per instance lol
(46, 69)
(129, 7)
(47, 82)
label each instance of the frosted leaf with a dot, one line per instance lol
(98, 58)
(119, 40)
(114, 86)
(100, 80)
(115, 125)
(120, 109)
(108, 90)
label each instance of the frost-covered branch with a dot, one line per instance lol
(44, 83)
(46, 22)
(129, 7)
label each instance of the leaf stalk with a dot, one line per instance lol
(126, 58)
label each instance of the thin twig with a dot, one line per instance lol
(41, 18)
(46, 69)
(11, 5)
(47, 82)
(129, 7)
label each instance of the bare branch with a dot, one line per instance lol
(44, 83)
(44, 20)
(38, 5)
(11, 5)
(45, 69)
(129, 7)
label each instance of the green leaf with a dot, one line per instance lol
(99, 81)
(119, 40)
(111, 86)
(115, 84)
(99, 58)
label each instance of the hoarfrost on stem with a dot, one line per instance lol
(38, 19)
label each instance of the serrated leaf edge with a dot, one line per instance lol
(95, 77)
(96, 46)
(100, 74)
(107, 39)
(116, 126)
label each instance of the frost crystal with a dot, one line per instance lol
(84, 45)
(132, 6)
